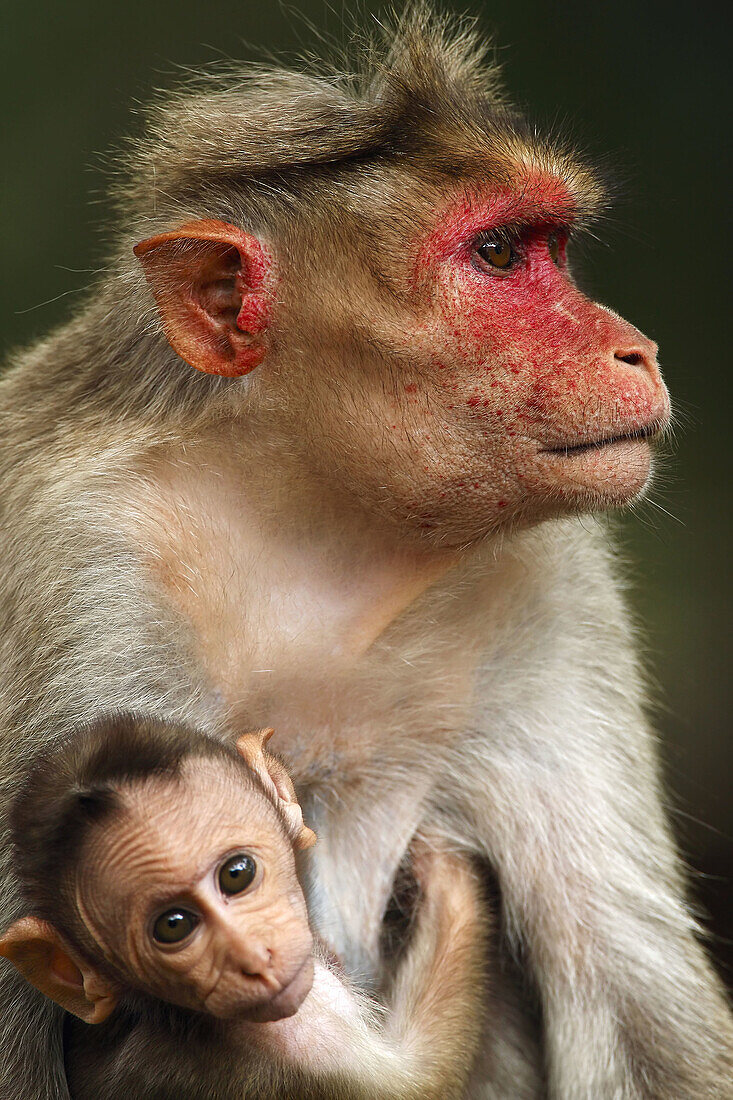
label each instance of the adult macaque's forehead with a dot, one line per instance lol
(402, 221)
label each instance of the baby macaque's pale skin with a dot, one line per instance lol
(189, 892)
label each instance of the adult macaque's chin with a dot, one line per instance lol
(610, 474)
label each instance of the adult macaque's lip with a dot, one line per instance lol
(637, 435)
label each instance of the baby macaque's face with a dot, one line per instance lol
(192, 891)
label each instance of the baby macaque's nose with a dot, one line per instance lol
(254, 958)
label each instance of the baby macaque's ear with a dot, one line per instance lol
(251, 747)
(43, 957)
(276, 779)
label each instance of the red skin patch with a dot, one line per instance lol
(541, 200)
(519, 364)
(254, 283)
(528, 336)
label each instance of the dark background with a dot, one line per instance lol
(644, 82)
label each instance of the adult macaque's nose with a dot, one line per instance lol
(634, 358)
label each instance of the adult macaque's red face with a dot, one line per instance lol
(554, 399)
(489, 391)
(192, 892)
(516, 397)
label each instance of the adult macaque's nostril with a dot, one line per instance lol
(646, 358)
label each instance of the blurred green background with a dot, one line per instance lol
(646, 83)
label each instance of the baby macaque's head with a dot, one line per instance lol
(159, 860)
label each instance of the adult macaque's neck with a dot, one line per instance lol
(241, 536)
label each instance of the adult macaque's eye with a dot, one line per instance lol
(174, 926)
(237, 874)
(553, 247)
(496, 253)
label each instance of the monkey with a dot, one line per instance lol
(114, 836)
(316, 453)
(109, 832)
(338, 1042)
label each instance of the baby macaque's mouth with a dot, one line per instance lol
(287, 1000)
(647, 432)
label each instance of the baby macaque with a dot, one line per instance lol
(159, 870)
(160, 862)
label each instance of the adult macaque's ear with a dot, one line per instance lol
(43, 957)
(275, 777)
(214, 287)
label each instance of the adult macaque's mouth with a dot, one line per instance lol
(648, 432)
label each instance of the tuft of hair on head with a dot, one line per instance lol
(256, 145)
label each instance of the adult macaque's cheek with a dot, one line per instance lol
(524, 364)
(537, 351)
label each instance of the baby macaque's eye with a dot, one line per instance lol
(237, 874)
(174, 926)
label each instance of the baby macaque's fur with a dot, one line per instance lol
(118, 819)
(314, 456)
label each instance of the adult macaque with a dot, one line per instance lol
(356, 520)
(156, 861)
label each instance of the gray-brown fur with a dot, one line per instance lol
(540, 763)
